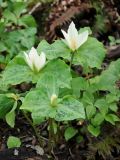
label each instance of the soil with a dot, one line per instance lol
(64, 151)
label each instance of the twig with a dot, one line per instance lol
(34, 8)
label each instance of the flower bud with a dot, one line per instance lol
(53, 100)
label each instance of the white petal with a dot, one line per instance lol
(72, 32)
(33, 55)
(28, 60)
(82, 38)
(67, 39)
(66, 36)
(41, 61)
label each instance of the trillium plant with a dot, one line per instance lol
(67, 83)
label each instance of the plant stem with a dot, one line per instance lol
(72, 57)
(51, 135)
(58, 137)
(34, 128)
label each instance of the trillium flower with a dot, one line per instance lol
(73, 39)
(34, 61)
(53, 100)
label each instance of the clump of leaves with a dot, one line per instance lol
(101, 19)
(113, 41)
(16, 27)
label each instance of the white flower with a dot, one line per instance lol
(73, 39)
(53, 100)
(34, 61)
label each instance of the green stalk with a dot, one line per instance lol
(58, 136)
(51, 135)
(34, 128)
(72, 57)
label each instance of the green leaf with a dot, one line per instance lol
(94, 84)
(1, 1)
(111, 38)
(79, 139)
(112, 118)
(55, 50)
(118, 41)
(2, 59)
(90, 54)
(98, 119)
(5, 105)
(113, 97)
(2, 28)
(88, 98)
(60, 71)
(16, 35)
(70, 109)
(27, 21)
(28, 33)
(111, 75)
(79, 84)
(19, 8)
(16, 72)
(95, 131)
(2, 47)
(38, 102)
(49, 82)
(13, 142)
(113, 107)
(10, 117)
(10, 16)
(102, 105)
(85, 29)
(90, 111)
(65, 91)
(70, 132)
(27, 44)
(37, 120)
